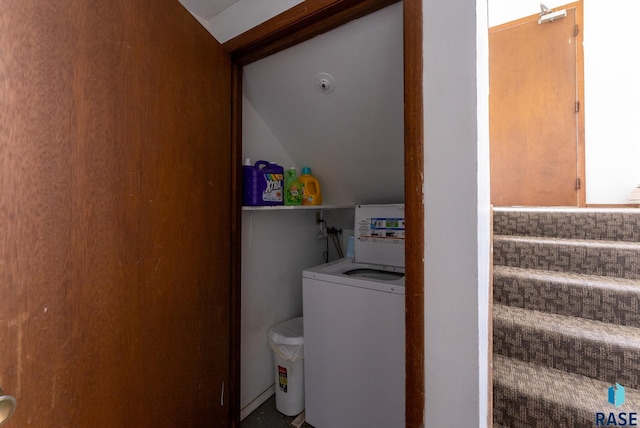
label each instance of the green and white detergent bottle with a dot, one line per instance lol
(292, 188)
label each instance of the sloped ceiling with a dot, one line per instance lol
(226, 19)
(352, 138)
(206, 9)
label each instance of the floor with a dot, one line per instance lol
(268, 416)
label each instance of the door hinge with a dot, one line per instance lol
(578, 183)
(577, 106)
(576, 30)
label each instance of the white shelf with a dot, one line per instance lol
(295, 207)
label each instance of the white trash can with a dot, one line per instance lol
(286, 340)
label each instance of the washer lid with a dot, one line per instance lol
(382, 275)
(379, 234)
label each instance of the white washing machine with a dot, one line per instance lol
(354, 328)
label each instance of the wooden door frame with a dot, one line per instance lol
(578, 6)
(300, 23)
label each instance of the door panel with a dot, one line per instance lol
(114, 246)
(533, 120)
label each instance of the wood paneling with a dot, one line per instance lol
(115, 171)
(413, 190)
(236, 249)
(300, 23)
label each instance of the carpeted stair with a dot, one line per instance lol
(566, 315)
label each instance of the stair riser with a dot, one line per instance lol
(601, 260)
(584, 356)
(608, 225)
(513, 409)
(616, 306)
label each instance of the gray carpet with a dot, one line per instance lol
(566, 314)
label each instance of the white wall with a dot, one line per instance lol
(258, 142)
(352, 138)
(611, 64)
(276, 247)
(503, 11)
(612, 115)
(612, 90)
(271, 289)
(456, 195)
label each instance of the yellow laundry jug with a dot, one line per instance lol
(311, 194)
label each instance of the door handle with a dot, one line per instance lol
(7, 406)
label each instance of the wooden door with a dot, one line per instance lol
(114, 222)
(535, 114)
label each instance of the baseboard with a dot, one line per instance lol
(613, 205)
(246, 411)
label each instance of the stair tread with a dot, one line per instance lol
(615, 334)
(571, 390)
(577, 242)
(572, 278)
(566, 210)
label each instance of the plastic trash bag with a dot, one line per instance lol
(286, 339)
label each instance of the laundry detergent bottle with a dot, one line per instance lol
(263, 183)
(292, 188)
(311, 188)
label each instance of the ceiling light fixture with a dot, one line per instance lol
(325, 83)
